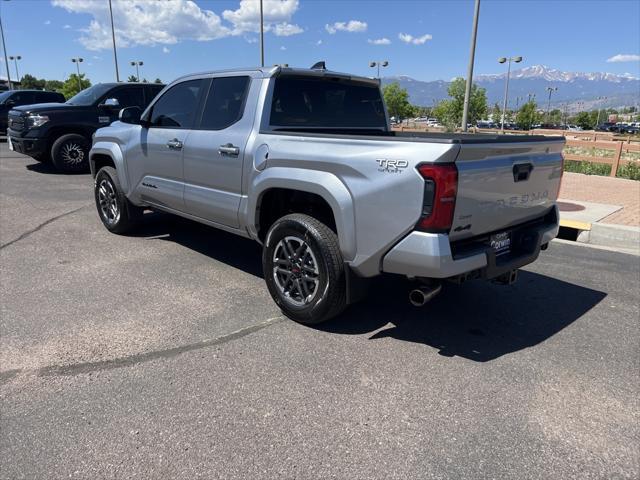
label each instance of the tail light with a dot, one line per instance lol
(439, 202)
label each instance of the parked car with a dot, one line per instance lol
(628, 129)
(574, 128)
(14, 98)
(304, 162)
(62, 131)
(606, 127)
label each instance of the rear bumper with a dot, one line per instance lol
(431, 255)
(29, 146)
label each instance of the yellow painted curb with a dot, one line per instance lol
(575, 224)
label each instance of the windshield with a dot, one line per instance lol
(4, 96)
(88, 96)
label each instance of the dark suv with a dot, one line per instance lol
(62, 131)
(15, 98)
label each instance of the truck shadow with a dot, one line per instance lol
(478, 321)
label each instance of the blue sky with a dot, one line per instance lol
(178, 37)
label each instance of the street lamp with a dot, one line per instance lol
(379, 64)
(15, 61)
(137, 63)
(550, 90)
(598, 119)
(506, 84)
(78, 61)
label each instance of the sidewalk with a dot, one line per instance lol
(605, 190)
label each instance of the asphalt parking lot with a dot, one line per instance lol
(161, 355)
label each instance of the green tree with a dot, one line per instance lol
(397, 100)
(449, 112)
(132, 78)
(527, 116)
(54, 85)
(31, 82)
(496, 113)
(584, 120)
(70, 86)
(157, 80)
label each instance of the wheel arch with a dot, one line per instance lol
(323, 185)
(106, 153)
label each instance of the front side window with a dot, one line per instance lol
(225, 102)
(22, 98)
(90, 95)
(177, 106)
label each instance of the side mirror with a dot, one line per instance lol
(130, 115)
(111, 104)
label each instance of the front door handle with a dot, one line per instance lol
(229, 149)
(174, 144)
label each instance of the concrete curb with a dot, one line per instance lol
(609, 235)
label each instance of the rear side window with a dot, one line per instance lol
(44, 97)
(176, 108)
(326, 103)
(128, 97)
(225, 102)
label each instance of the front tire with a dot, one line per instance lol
(304, 270)
(70, 153)
(118, 215)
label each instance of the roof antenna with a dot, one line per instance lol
(319, 66)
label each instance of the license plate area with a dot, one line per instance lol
(500, 243)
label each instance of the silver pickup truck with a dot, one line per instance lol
(304, 162)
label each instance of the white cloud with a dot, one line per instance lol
(283, 48)
(277, 16)
(406, 38)
(350, 26)
(47, 22)
(380, 41)
(251, 39)
(319, 42)
(624, 57)
(165, 50)
(141, 22)
(67, 27)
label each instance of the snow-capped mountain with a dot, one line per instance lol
(575, 89)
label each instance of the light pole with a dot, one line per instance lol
(598, 119)
(550, 90)
(261, 36)
(506, 84)
(15, 59)
(379, 64)
(113, 37)
(78, 61)
(472, 54)
(6, 59)
(137, 63)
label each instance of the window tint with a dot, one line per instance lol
(44, 97)
(326, 102)
(177, 106)
(22, 98)
(128, 97)
(224, 103)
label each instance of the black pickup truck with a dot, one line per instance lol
(16, 98)
(61, 132)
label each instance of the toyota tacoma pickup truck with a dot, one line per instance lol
(304, 162)
(61, 132)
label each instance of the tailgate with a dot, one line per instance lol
(505, 184)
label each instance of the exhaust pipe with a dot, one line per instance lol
(420, 296)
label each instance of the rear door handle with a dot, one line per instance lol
(174, 144)
(229, 149)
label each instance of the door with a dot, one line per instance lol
(214, 151)
(154, 159)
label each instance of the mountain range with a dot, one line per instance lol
(575, 90)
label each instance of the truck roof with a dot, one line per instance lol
(277, 70)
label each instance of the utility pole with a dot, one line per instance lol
(261, 35)
(472, 54)
(113, 37)
(6, 59)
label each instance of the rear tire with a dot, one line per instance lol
(117, 213)
(70, 153)
(304, 270)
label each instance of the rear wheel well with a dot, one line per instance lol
(100, 160)
(278, 202)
